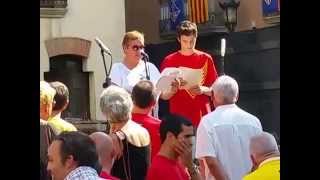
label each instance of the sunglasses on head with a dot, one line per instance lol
(136, 47)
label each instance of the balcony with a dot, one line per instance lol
(53, 8)
(213, 24)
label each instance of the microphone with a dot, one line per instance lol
(105, 49)
(144, 55)
(102, 46)
(145, 58)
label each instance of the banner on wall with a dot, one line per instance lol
(271, 11)
(271, 8)
(177, 14)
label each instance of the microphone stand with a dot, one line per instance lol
(107, 81)
(145, 60)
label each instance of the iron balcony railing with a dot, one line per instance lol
(214, 22)
(53, 3)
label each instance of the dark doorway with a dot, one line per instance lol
(68, 70)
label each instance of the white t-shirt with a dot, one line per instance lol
(225, 134)
(126, 78)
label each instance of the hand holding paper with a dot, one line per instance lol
(187, 77)
(167, 79)
(195, 90)
(193, 77)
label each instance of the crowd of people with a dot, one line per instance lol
(204, 136)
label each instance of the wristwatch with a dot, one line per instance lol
(193, 170)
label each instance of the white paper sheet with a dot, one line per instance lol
(192, 76)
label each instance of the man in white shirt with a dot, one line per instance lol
(223, 135)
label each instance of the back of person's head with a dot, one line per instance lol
(187, 28)
(225, 89)
(131, 36)
(80, 146)
(46, 100)
(116, 104)
(104, 146)
(62, 96)
(263, 144)
(143, 94)
(47, 93)
(172, 123)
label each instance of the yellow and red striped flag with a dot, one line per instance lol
(198, 11)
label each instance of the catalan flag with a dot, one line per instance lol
(198, 11)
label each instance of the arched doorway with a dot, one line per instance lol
(66, 56)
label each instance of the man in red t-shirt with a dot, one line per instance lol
(191, 103)
(175, 153)
(144, 99)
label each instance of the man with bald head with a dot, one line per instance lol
(265, 157)
(104, 148)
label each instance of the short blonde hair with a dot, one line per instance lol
(131, 36)
(47, 93)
